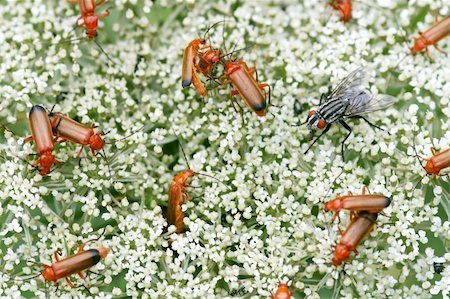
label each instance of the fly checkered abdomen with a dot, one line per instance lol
(349, 99)
(332, 110)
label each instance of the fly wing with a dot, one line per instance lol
(351, 86)
(365, 103)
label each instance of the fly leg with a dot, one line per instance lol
(367, 121)
(325, 95)
(345, 125)
(323, 132)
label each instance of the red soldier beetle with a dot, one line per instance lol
(357, 229)
(68, 129)
(178, 195)
(90, 21)
(436, 163)
(373, 203)
(432, 36)
(250, 90)
(88, 16)
(42, 136)
(73, 264)
(344, 7)
(191, 52)
(283, 292)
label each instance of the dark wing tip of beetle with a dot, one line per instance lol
(260, 108)
(388, 201)
(36, 108)
(186, 83)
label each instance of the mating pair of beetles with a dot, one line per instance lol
(200, 57)
(46, 128)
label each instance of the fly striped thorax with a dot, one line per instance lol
(333, 110)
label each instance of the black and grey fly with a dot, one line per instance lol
(348, 100)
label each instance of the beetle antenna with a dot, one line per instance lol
(332, 183)
(182, 149)
(106, 160)
(235, 51)
(24, 279)
(130, 134)
(69, 40)
(212, 177)
(210, 27)
(98, 238)
(104, 52)
(415, 150)
(7, 129)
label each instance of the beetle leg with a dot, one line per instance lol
(336, 215)
(70, 283)
(56, 254)
(436, 18)
(82, 22)
(103, 15)
(81, 247)
(36, 163)
(427, 53)
(364, 189)
(100, 2)
(270, 96)
(61, 140)
(186, 196)
(346, 126)
(433, 151)
(81, 275)
(323, 132)
(81, 150)
(352, 215)
(204, 47)
(28, 139)
(439, 49)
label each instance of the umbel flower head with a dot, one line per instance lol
(267, 225)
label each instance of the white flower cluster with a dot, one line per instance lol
(269, 225)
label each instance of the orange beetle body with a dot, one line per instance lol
(88, 15)
(437, 162)
(189, 60)
(73, 264)
(41, 134)
(345, 7)
(373, 203)
(177, 197)
(357, 229)
(283, 292)
(241, 77)
(68, 129)
(434, 34)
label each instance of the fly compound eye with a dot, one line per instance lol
(311, 113)
(321, 123)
